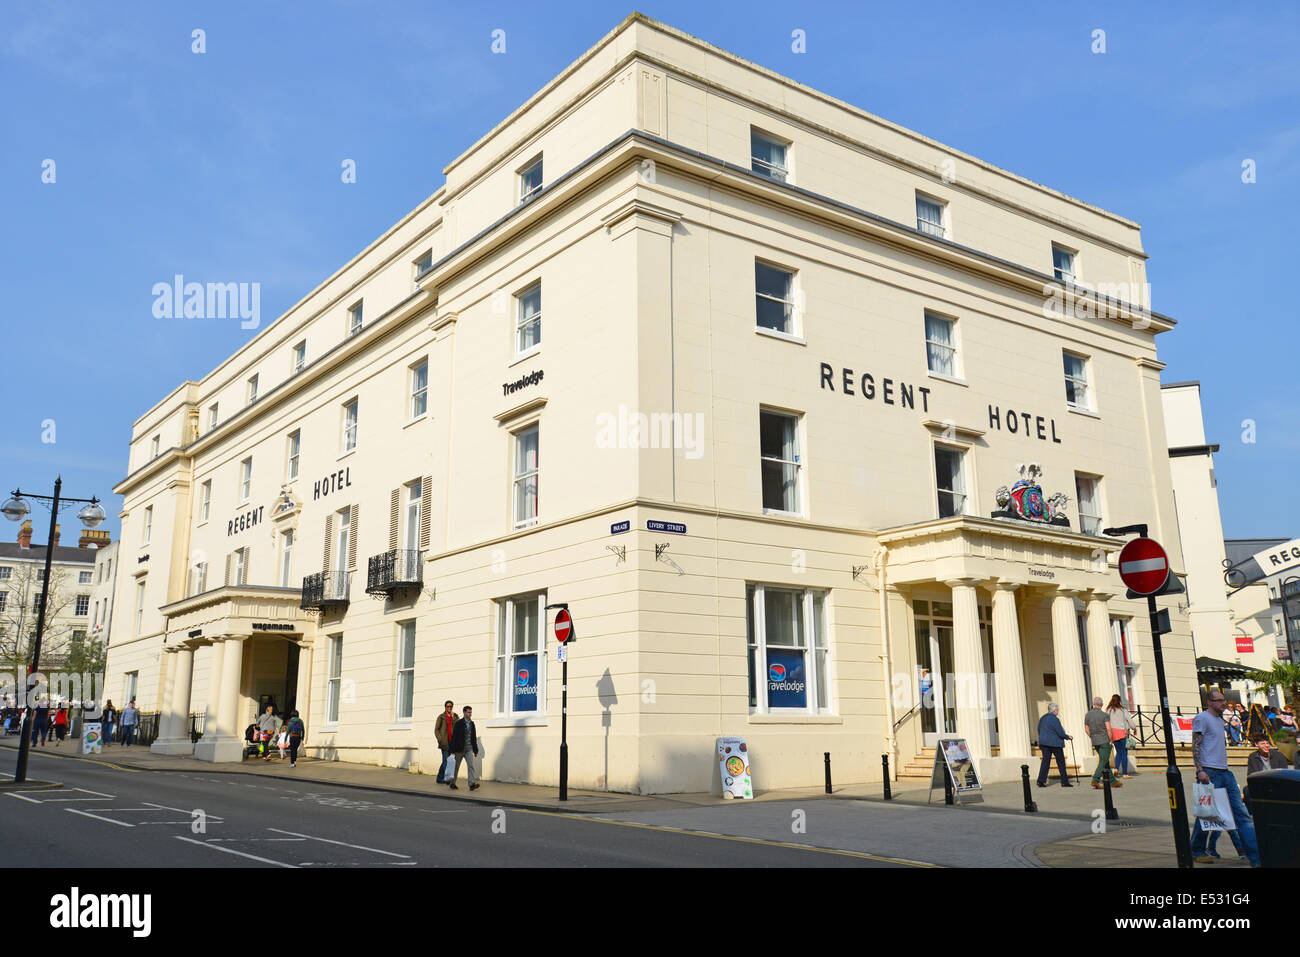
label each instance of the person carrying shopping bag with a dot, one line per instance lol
(1121, 726)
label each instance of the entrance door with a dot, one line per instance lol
(935, 678)
(989, 686)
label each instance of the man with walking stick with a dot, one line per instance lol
(1051, 741)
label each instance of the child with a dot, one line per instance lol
(282, 742)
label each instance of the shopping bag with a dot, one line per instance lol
(1222, 819)
(1203, 799)
(449, 767)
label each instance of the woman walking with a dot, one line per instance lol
(1120, 726)
(108, 717)
(297, 731)
(60, 725)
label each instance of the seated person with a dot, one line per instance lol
(1264, 757)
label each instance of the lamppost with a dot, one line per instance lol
(16, 509)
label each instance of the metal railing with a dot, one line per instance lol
(325, 588)
(399, 568)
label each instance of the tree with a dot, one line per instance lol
(1284, 673)
(18, 619)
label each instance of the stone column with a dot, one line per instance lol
(206, 749)
(232, 668)
(968, 668)
(1101, 648)
(303, 695)
(168, 685)
(1012, 701)
(1070, 690)
(177, 739)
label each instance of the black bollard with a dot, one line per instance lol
(947, 785)
(884, 764)
(1030, 805)
(1111, 813)
(828, 771)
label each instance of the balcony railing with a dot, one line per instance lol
(389, 571)
(325, 589)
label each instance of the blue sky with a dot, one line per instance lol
(224, 166)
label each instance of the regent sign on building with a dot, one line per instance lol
(903, 546)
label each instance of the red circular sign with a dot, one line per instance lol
(1144, 566)
(563, 625)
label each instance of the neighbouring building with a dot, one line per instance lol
(829, 418)
(101, 596)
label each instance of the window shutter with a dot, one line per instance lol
(227, 581)
(329, 539)
(248, 556)
(352, 541)
(426, 510)
(394, 506)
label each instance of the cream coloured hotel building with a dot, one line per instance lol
(733, 369)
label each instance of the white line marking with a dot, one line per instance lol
(268, 840)
(1144, 565)
(15, 794)
(73, 810)
(326, 840)
(181, 810)
(227, 850)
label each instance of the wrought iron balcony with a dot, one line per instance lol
(389, 571)
(325, 589)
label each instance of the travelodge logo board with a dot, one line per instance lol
(525, 683)
(786, 686)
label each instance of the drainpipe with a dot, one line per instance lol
(886, 661)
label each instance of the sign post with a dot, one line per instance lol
(1144, 567)
(563, 634)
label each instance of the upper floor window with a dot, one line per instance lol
(139, 605)
(930, 216)
(212, 416)
(774, 298)
(950, 480)
(414, 504)
(1077, 393)
(528, 323)
(200, 578)
(350, 426)
(526, 477)
(419, 389)
(286, 558)
(354, 319)
(83, 606)
(6, 572)
(245, 479)
(252, 389)
(1088, 494)
(295, 448)
(423, 264)
(148, 525)
(941, 345)
(779, 453)
(205, 501)
(530, 180)
(154, 446)
(83, 578)
(769, 156)
(1063, 265)
(300, 357)
(241, 567)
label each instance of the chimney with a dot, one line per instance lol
(93, 538)
(56, 536)
(25, 534)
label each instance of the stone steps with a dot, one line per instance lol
(922, 765)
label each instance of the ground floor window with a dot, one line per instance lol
(334, 685)
(1125, 666)
(1081, 619)
(132, 680)
(405, 670)
(520, 656)
(789, 652)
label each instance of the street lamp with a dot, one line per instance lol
(16, 509)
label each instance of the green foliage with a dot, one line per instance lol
(1284, 673)
(85, 655)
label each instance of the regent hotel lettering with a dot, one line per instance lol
(245, 521)
(897, 392)
(332, 483)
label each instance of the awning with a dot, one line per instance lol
(1214, 668)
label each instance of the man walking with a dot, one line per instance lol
(464, 743)
(267, 726)
(442, 731)
(1098, 725)
(1051, 741)
(130, 721)
(1210, 752)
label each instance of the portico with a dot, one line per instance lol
(248, 646)
(973, 593)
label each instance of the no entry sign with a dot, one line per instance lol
(1144, 566)
(563, 625)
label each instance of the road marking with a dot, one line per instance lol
(326, 840)
(15, 794)
(267, 840)
(70, 757)
(227, 850)
(731, 837)
(73, 810)
(459, 810)
(99, 796)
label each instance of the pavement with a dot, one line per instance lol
(1069, 830)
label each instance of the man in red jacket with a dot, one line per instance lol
(443, 728)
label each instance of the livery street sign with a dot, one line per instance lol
(1144, 566)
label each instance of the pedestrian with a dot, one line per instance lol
(1210, 753)
(1287, 717)
(41, 721)
(1099, 731)
(282, 742)
(442, 731)
(1051, 741)
(464, 744)
(267, 725)
(1234, 723)
(1120, 726)
(110, 716)
(130, 721)
(297, 731)
(1264, 758)
(60, 725)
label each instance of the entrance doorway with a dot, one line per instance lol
(936, 681)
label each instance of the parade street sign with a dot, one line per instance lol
(1144, 566)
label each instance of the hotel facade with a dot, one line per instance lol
(739, 373)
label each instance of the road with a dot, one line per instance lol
(108, 817)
